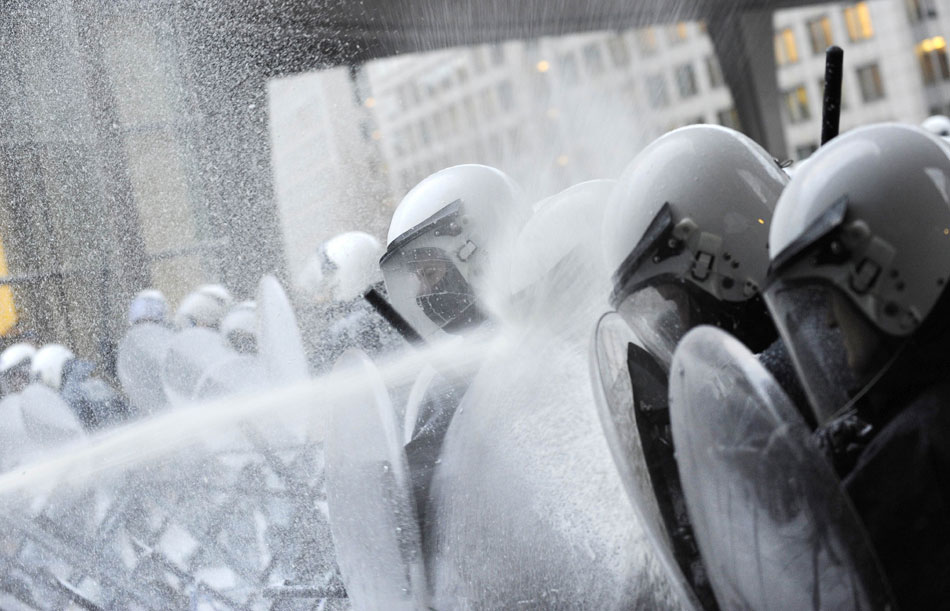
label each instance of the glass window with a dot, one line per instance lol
(919, 10)
(568, 68)
(506, 95)
(646, 41)
(617, 47)
(786, 51)
(686, 80)
(714, 70)
(869, 78)
(804, 151)
(857, 18)
(656, 91)
(728, 117)
(932, 57)
(796, 104)
(819, 33)
(593, 59)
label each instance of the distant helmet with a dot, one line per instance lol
(239, 327)
(686, 233)
(860, 255)
(204, 307)
(149, 305)
(48, 364)
(15, 363)
(557, 257)
(448, 245)
(342, 269)
(938, 125)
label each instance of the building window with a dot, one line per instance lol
(872, 87)
(919, 10)
(506, 95)
(844, 95)
(656, 91)
(646, 41)
(796, 104)
(728, 118)
(804, 151)
(786, 51)
(568, 68)
(686, 80)
(497, 53)
(617, 48)
(715, 72)
(819, 32)
(858, 20)
(593, 59)
(676, 33)
(932, 57)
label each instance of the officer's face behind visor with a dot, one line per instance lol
(836, 350)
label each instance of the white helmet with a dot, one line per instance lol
(48, 363)
(239, 327)
(559, 247)
(15, 363)
(448, 245)
(860, 256)
(204, 307)
(686, 233)
(149, 305)
(938, 125)
(342, 269)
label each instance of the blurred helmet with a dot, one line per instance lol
(448, 245)
(860, 255)
(556, 257)
(686, 233)
(342, 269)
(48, 363)
(149, 305)
(937, 125)
(239, 327)
(15, 363)
(204, 307)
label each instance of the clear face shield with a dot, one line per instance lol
(837, 352)
(659, 316)
(423, 278)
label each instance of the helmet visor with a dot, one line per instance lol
(660, 316)
(428, 289)
(836, 351)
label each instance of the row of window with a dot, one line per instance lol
(492, 149)
(857, 19)
(686, 84)
(796, 105)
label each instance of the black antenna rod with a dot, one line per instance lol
(389, 313)
(831, 110)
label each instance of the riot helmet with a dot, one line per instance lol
(239, 327)
(860, 254)
(447, 243)
(938, 125)
(15, 363)
(149, 305)
(204, 307)
(48, 364)
(685, 234)
(342, 269)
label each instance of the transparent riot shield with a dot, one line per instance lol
(630, 390)
(279, 342)
(47, 419)
(774, 526)
(139, 365)
(191, 354)
(372, 512)
(15, 444)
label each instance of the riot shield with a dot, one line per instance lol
(139, 365)
(279, 343)
(630, 390)
(773, 524)
(14, 441)
(47, 419)
(191, 354)
(372, 513)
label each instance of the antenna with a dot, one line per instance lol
(831, 109)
